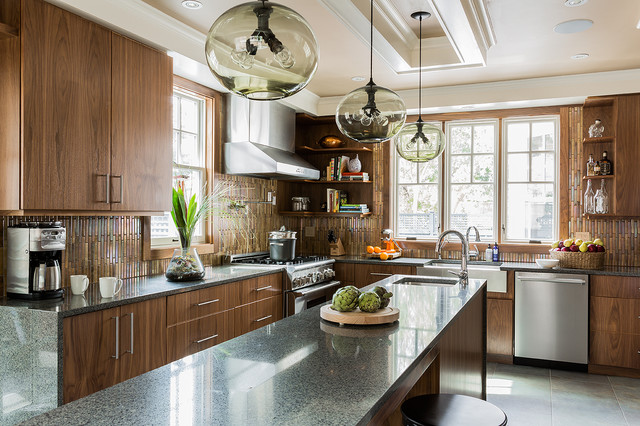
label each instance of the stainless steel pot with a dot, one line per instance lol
(282, 233)
(282, 249)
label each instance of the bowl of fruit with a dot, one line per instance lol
(578, 254)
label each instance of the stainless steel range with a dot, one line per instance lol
(309, 279)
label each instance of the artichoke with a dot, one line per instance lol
(385, 296)
(345, 299)
(369, 301)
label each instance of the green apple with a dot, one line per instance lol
(555, 244)
(578, 242)
(584, 247)
(598, 242)
(589, 242)
(568, 242)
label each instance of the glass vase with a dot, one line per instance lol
(185, 265)
(589, 199)
(602, 199)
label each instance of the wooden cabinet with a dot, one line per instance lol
(141, 141)
(369, 273)
(254, 289)
(254, 315)
(194, 336)
(344, 272)
(109, 346)
(94, 112)
(198, 304)
(614, 322)
(500, 327)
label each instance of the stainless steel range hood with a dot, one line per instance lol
(260, 141)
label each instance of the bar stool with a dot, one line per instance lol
(451, 410)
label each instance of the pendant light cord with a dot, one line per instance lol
(420, 75)
(371, 55)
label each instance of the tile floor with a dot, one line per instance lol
(541, 397)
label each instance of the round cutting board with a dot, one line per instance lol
(357, 317)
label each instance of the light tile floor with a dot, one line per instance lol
(541, 397)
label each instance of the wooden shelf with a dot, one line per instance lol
(309, 150)
(604, 139)
(598, 102)
(7, 31)
(606, 216)
(597, 177)
(326, 182)
(313, 214)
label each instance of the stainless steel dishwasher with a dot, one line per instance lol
(552, 320)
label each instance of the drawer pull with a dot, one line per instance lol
(205, 339)
(263, 318)
(207, 302)
(264, 288)
(117, 355)
(380, 274)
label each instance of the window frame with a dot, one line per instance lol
(446, 189)
(556, 177)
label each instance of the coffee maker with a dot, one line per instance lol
(34, 255)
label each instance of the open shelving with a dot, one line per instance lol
(326, 214)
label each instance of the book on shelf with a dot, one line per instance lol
(335, 198)
(337, 167)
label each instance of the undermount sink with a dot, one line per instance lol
(474, 263)
(490, 271)
(424, 280)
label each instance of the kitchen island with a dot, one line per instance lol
(304, 370)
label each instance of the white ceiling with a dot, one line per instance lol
(526, 48)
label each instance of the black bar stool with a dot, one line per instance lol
(451, 410)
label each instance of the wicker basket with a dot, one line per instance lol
(578, 260)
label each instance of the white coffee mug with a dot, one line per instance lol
(79, 284)
(110, 286)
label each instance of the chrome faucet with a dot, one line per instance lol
(473, 253)
(463, 274)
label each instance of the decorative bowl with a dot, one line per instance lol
(330, 141)
(547, 263)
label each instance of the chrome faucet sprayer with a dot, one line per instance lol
(463, 274)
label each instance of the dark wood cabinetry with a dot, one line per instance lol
(92, 110)
(254, 315)
(113, 345)
(500, 323)
(363, 274)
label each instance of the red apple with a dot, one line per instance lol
(600, 248)
(574, 247)
(560, 244)
(592, 248)
(558, 249)
(566, 249)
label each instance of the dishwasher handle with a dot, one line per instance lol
(556, 281)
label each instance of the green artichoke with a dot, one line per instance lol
(369, 301)
(345, 299)
(385, 296)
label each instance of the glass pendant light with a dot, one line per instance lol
(420, 142)
(371, 114)
(262, 50)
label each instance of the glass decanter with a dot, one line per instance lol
(596, 130)
(589, 202)
(602, 199)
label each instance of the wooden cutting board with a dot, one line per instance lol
(357, 317)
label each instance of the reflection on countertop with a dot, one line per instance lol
(298, 371)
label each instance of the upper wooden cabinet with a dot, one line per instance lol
(96, 117)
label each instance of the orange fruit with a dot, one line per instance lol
(377, 249)
(369, 249)
(384, 256)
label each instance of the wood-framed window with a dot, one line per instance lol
(195, 125)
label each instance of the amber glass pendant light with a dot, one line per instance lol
(420, 142)
(262, 50)
(371, 114)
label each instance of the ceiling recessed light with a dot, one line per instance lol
(638, 24)
(574, 3)
(358, 78)
(191, 4)
(580, 56)
(573, 26)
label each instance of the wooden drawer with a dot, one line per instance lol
(199, 303)
(344, 272)
(614, 349)
(608, 286)
(367, 273)
(249, 291)
(257, 314)
(613, 315)
(194, 336)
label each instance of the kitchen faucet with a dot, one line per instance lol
(463, 274)
(473, 253)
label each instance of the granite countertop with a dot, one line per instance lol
(298, 371)
(139, 289)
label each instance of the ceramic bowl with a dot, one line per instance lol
(547, 263)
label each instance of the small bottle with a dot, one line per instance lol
(601, 199)
(591, 166)
(596, 168)
(589, 203)
(596, 130)
(605, 165)
(488, 254)
(496, 252)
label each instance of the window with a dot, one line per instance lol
(471, 183)
(530, 179)
(189, 168)
(417, 197)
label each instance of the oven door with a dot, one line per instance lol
(304, 298)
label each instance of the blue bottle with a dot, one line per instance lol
(496, 252)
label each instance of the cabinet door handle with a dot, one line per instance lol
(206, 303)
(131, 343)
(107, 189)
(380, 274)
(264, 288)
(121, 188)
(205, 339)
(117, 355)
(263, 318)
